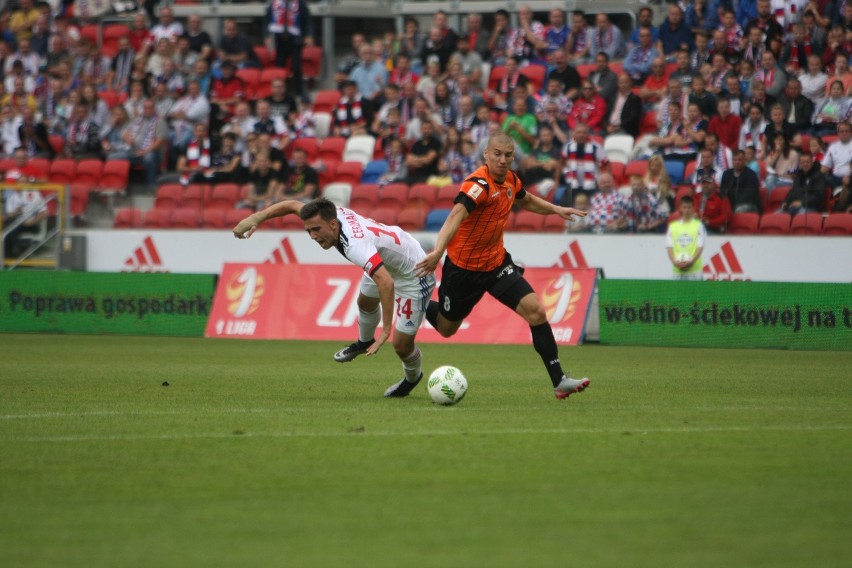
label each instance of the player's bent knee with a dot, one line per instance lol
(367, 304)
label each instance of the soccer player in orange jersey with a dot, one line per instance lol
(477, 262)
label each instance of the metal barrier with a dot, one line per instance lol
(59, 194)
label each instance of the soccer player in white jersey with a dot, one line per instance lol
(389, 284)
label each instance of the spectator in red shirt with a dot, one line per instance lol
(726, 125)
(139, 34)
(225, 94)
(714, 210)
(589, 109)
(655, 86)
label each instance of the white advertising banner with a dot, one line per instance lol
(768, 259)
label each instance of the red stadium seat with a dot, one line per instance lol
(681, 191)
(213, 219)
(528, 222)
(348, 172)
(234, 216)
(837, 224)
(90, 32)
(744, 224)
(806, 224)
(196, 196)
(385, 215)
(586, 69)
(115, 175)
(290, 223)
(423, 193)
(774, 224)
(62, 170)
(331, 150)
(271, 73)
(617, 170)
(536, 74)
(157, 219)
(649, 123)
(185, 218)
(224, 196)
(264, 55)
(89, 172)
(364, 198)
(393, 195)
(251, 77)
(497, 74)
(776, 198)
(311, 61)
(326, 101)
(169, 196)
(411, 219)
(445, 197)
(309, 145)
(41, 167)
(128, 218)
(554, 224)
(689, 172)
(110, 97)
(636, 168)
(57, 142)
(79, 200)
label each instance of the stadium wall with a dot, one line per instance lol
(119, 303)
(715, 314)
(761, 258)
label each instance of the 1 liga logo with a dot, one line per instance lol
(244, 292)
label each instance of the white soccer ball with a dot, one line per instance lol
(447, 385)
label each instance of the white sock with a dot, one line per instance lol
(411, 365)
(367, 324)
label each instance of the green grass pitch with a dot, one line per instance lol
(271, 454)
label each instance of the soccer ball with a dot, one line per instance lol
(447, 385)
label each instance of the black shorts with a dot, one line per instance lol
(462, 289)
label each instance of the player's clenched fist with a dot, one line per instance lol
(246, 227)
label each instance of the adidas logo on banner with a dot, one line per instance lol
(283, 253)
(572, 258)
(145, 258)
(724, 265)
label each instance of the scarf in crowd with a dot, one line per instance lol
(804, 49)
(603, 40)
(754, 53)
(508, 84)
(198, 153)
(78, 132)
(579, 41)
(123, 66)
(395, 162)
(764, 76)
(285, 16)
(722, 158)
(348, 113)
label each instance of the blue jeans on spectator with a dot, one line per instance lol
(150, 162)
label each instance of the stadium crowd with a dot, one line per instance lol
(744, 105)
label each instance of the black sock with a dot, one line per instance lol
(545, 346)
(432, 313)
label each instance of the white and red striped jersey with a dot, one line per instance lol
(370, 244)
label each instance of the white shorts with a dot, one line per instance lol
(411, 296)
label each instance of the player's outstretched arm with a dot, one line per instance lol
(536, 204)
(384, 281)
(248, 226)
(445, 235)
